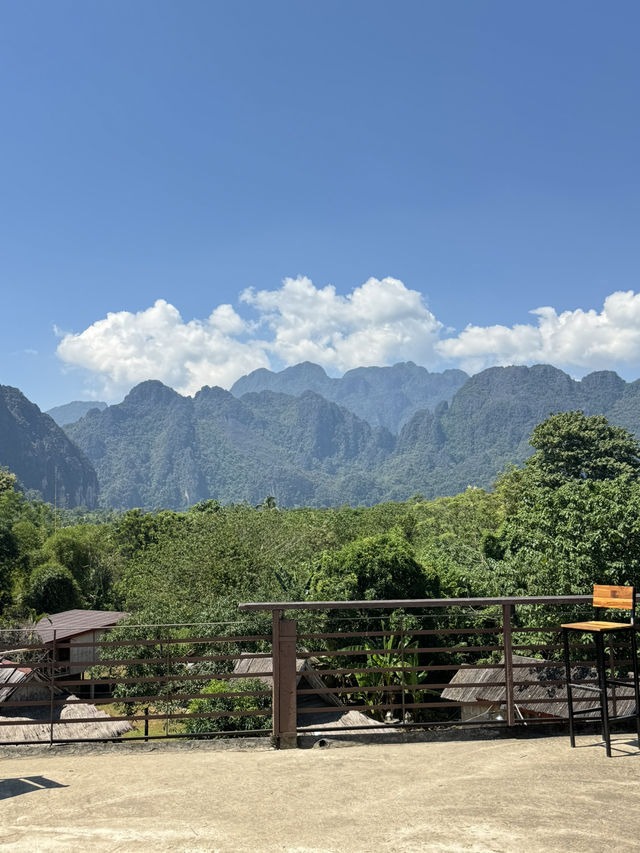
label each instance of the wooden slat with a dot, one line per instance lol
(620, 597)
(594, 625)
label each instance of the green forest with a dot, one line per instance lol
(569, 517)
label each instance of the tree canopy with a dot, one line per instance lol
(574, 446)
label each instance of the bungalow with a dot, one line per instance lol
(539, 691)
(76, 631)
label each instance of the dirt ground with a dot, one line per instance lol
(484, 796)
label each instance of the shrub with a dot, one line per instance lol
(228, 704)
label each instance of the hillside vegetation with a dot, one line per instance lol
(160, 450)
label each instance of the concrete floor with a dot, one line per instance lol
(483, 796)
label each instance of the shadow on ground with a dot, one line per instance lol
(25, 785)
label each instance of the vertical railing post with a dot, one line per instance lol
(508, 662)
(51, 688)
(276, 615)
(284, 681)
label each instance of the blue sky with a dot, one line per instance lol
(361, 182)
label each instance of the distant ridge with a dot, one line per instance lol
(158, 448)
(71, 412)
(382, 396)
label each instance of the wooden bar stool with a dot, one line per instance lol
(615, 597)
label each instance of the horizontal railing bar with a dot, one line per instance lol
(160, 641)
(152, 679)
(415, 651)
(413, 603)
(124, 662)
(429, 668)
(174, 715)
(121, 739)
(408, 633)
(122, 700)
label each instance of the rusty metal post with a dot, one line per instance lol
(508, 662)
(284, 681)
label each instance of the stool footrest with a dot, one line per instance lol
(587, 710)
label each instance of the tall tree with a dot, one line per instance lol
(573, 512)
(574, 446)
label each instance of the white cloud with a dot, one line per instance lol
(126, 348)
(379, 322)
(573, 339)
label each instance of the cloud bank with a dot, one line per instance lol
(380, 322)
(573, 339)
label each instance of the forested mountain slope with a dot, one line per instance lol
(382, 396)
(39, 453)
(159, 449)
(489, 422)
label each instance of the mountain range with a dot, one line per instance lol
(276, 434)
(382, 396)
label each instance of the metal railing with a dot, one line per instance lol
(132, 682)
(480, 636)
(322, 667)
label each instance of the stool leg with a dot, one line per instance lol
(636, 686)
(604, 705)
(567, 670)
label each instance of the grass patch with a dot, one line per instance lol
(157, 728)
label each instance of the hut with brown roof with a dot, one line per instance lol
(539, 691)
(76, 631)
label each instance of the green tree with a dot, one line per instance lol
(576, 535)
(52, 589)
(575, 521)
(376, 567)
(573, 446)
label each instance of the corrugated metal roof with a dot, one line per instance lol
(70, 623)
(10, 676)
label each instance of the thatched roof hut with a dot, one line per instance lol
(543, 692)
(337, 716)
(78, 721)
(21, 722)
